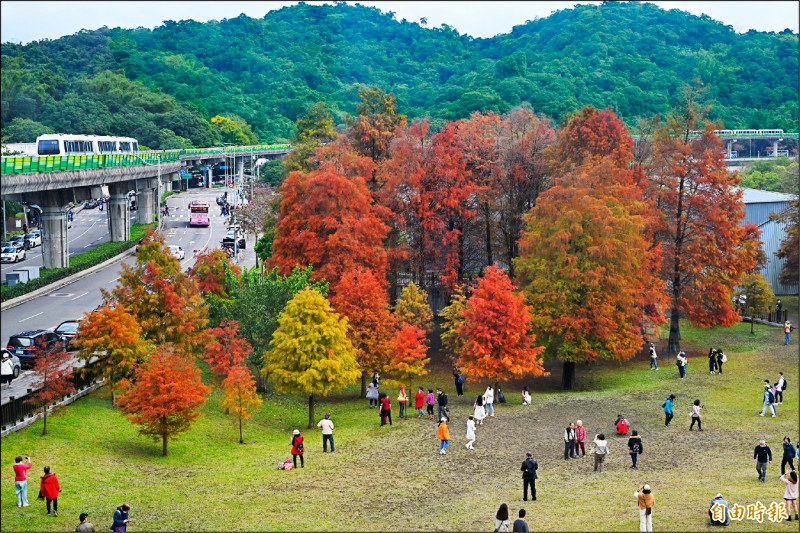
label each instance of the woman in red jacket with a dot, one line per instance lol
(385, 409)
(419, 401)
(297, 448)
(50, 488)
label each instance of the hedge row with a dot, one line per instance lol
(78, 263)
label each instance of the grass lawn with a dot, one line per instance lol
(393, 478)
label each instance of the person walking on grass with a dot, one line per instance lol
(470, 432)
(600, 451)
(569, 442)
(372, 394)
(580, 439)
(769, 399)
(85, 526)
(635, 447)
(429, 400)
(762, 457)
(478, 411)
(526, 396)
(780, 386)
(402, 398)
(297, 448)
(419, 401)
(653, 357)
(520, 524)
(790, 494)
(696, 416)
(49, 489)
(327, 433)
(529, 475)
(441, 399)
(121, 520)
(444, 436)
(788, 455)
(787, 328)
(459, 381)
(646, 501)
(668, 406)
(488, 400)
(385, 409)
(21, 480)
(501, 520)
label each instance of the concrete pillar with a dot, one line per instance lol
(55, 247)
(119, 222)
(145, 203)
(775, 148)
(730, 146)
(240, 169)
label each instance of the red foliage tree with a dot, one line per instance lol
(496, 333)
(53, 376)
(209, 272)
(408, 354)
(228, 349)
(165, 397)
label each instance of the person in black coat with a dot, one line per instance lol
(712, 360)
(529, 475)
(720, 355)
(457, 379)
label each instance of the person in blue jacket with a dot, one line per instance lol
(121, 520)
(668, 405)
(718, 509)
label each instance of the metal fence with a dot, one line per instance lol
(16, 410)
(776, 317)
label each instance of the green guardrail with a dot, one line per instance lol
(24, 164)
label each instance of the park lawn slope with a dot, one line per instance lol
(392, 478)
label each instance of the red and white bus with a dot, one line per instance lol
(198, 213)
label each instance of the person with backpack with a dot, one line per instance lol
(780, 386)
(459, 381)
(788, 455)
(653, 357)
(501, 520)
(668, 405)
(762, 457)
(569, 442)
(478, 412)
(529, 475)
(682, 361)
(488, 400)
(385, 409)
(769, 399)
(712, 360)
(470, 432)
(297, 448)
(696, 416)
(419, 401)
(441, 399)
(635, 447)
(402, 398)
(430, 400)
(721, 358)
(444, 436)
(49, 489)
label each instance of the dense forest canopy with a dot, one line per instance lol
(164, 85)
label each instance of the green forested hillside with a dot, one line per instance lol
(164, 85)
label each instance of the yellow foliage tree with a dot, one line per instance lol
(452, 319)
(412, 308)
(309, 352)
(235, 129)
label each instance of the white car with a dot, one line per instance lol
(12, 254)
(177, 251)
(34, 238)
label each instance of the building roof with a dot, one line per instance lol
(755, 196)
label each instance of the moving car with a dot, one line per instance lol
(14, 361)
(68, 331)
(228, 241)
(177, 251)
(34, 239)
(12, 254)
(91, 204)
(23, 345)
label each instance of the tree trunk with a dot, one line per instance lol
(113, 397)
(568, 375)
(44, 428)
(363, 383)
(674, 344)
(310, 411)
(241, 438)
(487, 215)
(164, 445)
(752, 325)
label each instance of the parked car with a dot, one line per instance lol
(68, 331)
(229, 241)
(12, 254)
(177, 251)
(34, 239)
(20, 240)
(14, 361)
(23, 345)
(91, 204)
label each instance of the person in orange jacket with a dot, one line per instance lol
(49, 489)
(444, 436)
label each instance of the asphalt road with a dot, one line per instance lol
(71, 301)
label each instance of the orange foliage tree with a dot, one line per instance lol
(361, 298)
(53, 376)
(165, 396)
(228, 349)
(327, 220)
(240, 395)
(113, 336)
(496, 333)
(408, 355)
(706, 248)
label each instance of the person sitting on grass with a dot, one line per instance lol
(718, 511)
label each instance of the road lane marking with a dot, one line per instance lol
(84, 294)
(32, 316)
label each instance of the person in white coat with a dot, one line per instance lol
(7, 371)
(526, 396)
(488, 400)
(470, 432)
